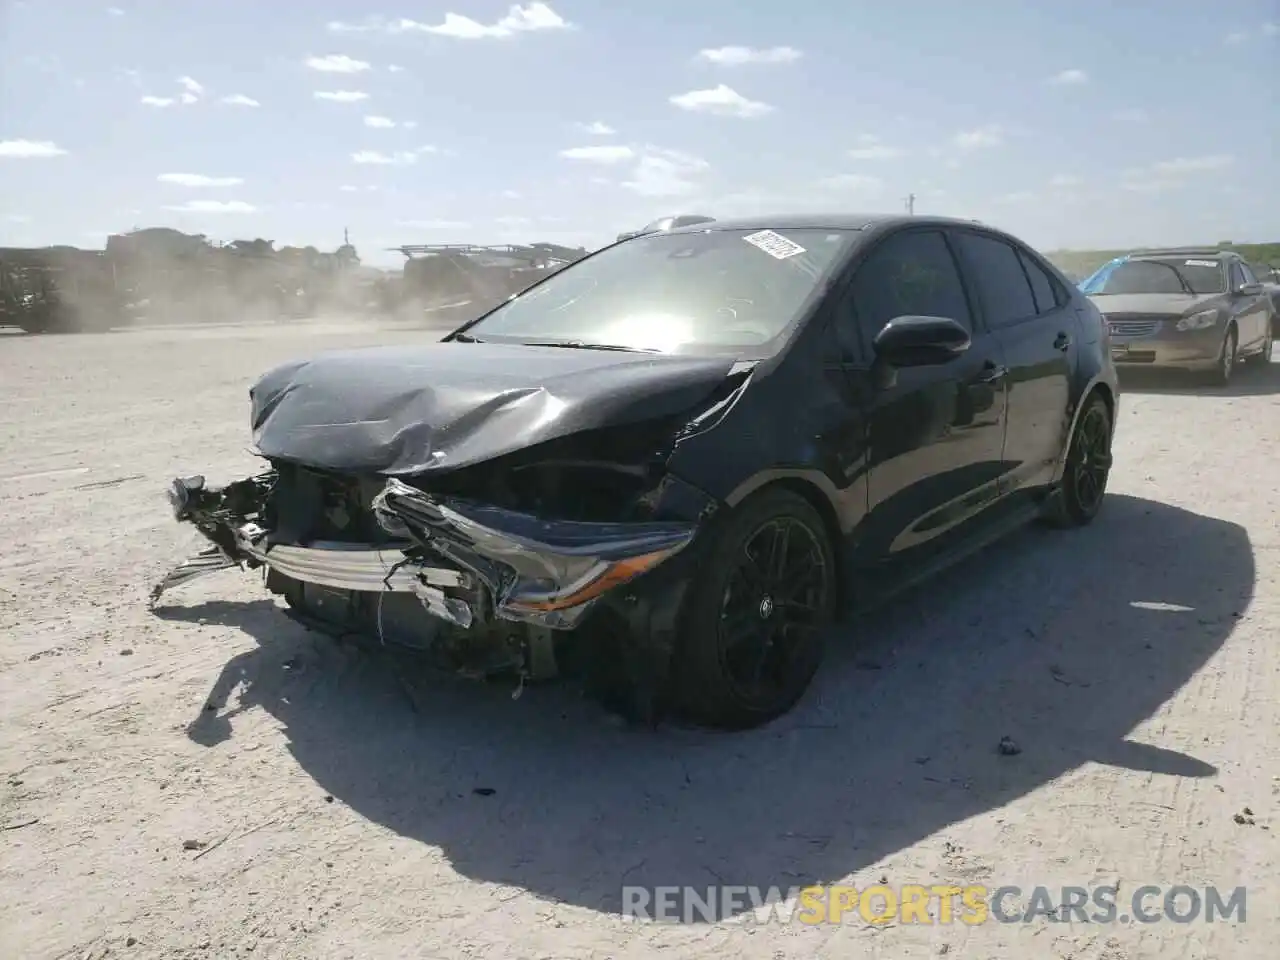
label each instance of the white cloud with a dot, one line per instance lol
(1184, 165)
(188, 97)
(519, 19)
(395, 68)
(348, 188)
(665, 173)
(1069, 78)
(990, 135)
(341, 96)
(1238, 37)
(400, 158)
(1271, 29)
(336, 63)
(240, 100)
(720, 101)
(870, 148)
(379, 123)
(511, 194)
(1064, 180)
(17, 218)
(214, 206)
(1171, 174)
(198, 180)
(854, 183)
(368, 25)
(413, 125)
(600, 154)
(1150, 186)
(29, 149)
(115, 12)
(191, 86)
(736, 56)
(158, 101)
(597, 128)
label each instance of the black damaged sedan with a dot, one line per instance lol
(669, 467)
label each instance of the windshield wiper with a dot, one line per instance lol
(583, 345)
(465, 338)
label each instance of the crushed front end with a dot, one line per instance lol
(537, 568)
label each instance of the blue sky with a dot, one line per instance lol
(1084, 124)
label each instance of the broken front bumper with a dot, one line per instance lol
(467, 563)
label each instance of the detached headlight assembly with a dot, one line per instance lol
(1198, 321)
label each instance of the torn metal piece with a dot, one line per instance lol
(209, 560)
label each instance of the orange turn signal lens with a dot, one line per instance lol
(613, 575)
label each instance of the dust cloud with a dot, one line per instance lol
(162, 276)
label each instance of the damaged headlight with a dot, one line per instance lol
(538, 570)
(599, 580)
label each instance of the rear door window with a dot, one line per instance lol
(996, 270)
(1043, 288)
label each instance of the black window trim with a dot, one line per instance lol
(843, 288)
(1061, 297)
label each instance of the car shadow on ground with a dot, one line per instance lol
(1064, 642)
(1251, 379)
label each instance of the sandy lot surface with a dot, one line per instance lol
(329, 797)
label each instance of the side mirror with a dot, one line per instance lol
(920, 341)
(1248, 289)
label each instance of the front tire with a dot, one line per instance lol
(1221, 374)
(752, 630)
(1084, 480)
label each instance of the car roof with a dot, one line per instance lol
(825, 221)
(1200, 253)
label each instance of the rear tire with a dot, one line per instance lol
(1084, 480)
(752, 627)
(1264, 357)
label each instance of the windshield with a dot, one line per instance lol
(1187, 275)
(718, 292)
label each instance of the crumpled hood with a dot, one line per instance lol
(1156, 304)
(404, 410)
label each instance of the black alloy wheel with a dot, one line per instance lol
(753, 632)
(1084, 480)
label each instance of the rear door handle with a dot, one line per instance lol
(992, 373)
(1062, 342)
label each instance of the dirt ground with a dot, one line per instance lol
(210, 780)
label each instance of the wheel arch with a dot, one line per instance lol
(1110, 397)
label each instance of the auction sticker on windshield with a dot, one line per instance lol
(1201, 263)
(774, 244)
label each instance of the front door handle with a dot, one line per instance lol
(1062, 343)
(992, 373)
